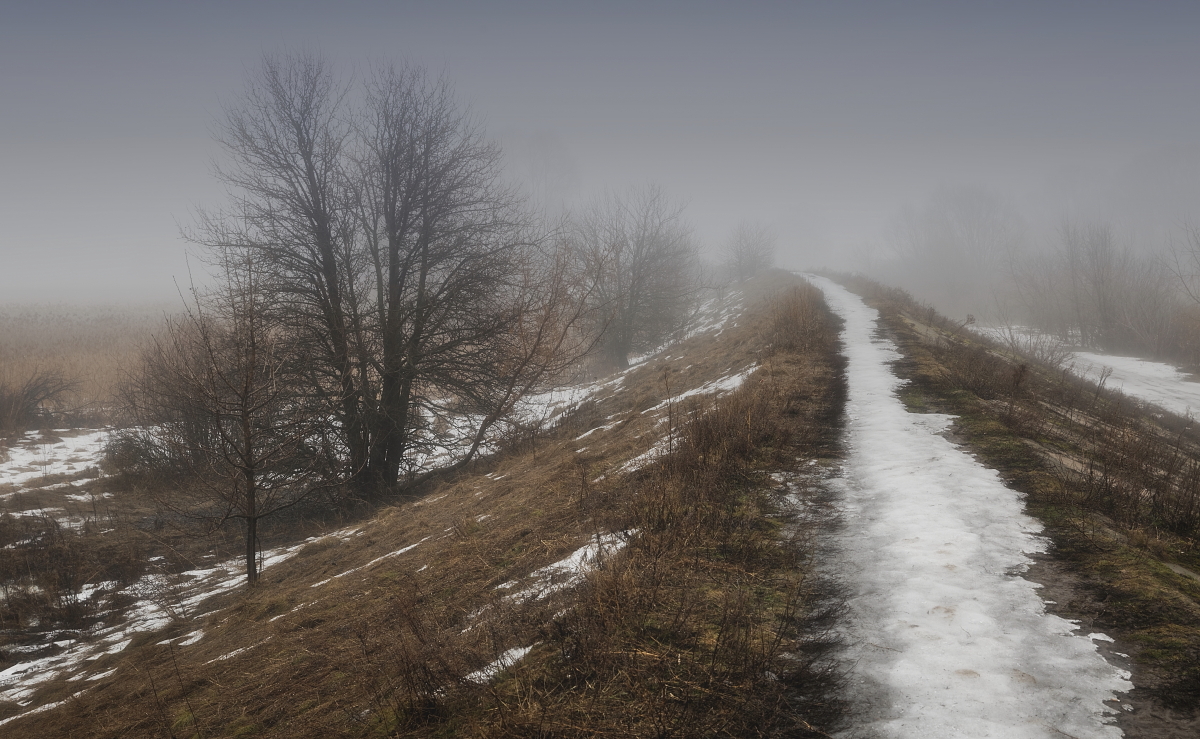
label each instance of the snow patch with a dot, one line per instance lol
(378, 559)
(503, 662)
(570, 571)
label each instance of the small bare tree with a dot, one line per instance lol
(750, 250)
(216, 398)
(640, 262)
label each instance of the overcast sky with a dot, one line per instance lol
(821, 119)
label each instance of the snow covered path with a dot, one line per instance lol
(946, 639)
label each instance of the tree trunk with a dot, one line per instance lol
(251, 533)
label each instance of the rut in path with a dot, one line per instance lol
(946, 639)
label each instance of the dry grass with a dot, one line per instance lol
(90, 346)
(710, 622)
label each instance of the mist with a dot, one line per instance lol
(829, 124)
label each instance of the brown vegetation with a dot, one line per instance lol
(709, 622)
(89, 348)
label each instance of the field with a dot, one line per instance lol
(92, 348)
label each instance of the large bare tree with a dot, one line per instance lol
(407, 268)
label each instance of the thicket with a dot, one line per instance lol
(46, 569)
(34, 401)
(1091, 291)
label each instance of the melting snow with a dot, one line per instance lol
(160, 598)
(570, 571)
(503, 662)
(396, 553)
(719, 387)
(41, 709)
(236, 652)
(662, 446)
(945, 639)
(33, 457)
(1153, 382)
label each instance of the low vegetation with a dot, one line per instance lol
(61, 366)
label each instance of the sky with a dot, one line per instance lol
(821, 120)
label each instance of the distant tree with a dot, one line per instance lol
(1091, 289)
(215, 398)
(749, 250)
(638, 258)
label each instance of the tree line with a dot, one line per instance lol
(967, 251)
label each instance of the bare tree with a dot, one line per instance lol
(640, 260)
(1094, 291)
(444, 241)
(214, 398)
(404, 263)
(750, 250)
(286, 138)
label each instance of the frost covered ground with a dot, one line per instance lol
(946, 639)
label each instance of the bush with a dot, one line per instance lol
(31, 402)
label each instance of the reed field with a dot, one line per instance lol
(89, 347)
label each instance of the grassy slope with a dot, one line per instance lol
(709, 622)
(1088, 460)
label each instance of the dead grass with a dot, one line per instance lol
(91, 346)
(709, 622)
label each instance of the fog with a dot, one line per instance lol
(831, 123)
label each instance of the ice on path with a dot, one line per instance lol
(946, 640)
